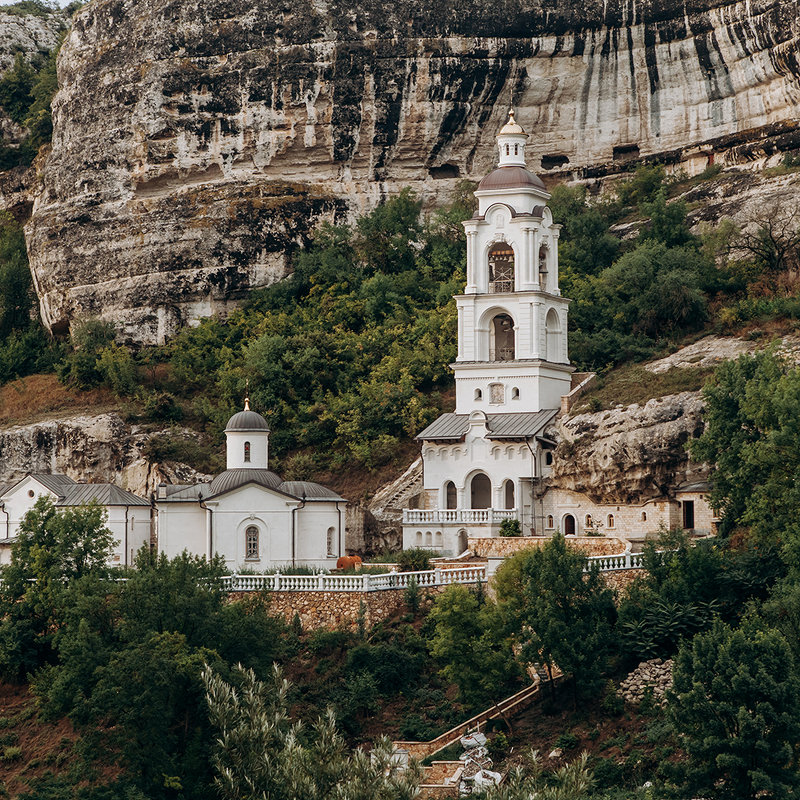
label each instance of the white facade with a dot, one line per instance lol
(480, 463)
(128, 516)
(248, 515)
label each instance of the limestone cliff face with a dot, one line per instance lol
(627, 454)
(87, 448)
(28, 34)
(196, 144)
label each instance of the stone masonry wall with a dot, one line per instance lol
(340, 609)
(502, 546)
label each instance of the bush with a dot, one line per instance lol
(567, 741)
(415, 559)
(613, 704)
(498, 746)
(162, 407)
(510, 527)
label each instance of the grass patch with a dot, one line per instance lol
(634, 384)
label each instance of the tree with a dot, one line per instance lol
(529, 780)
(470, 642)
(558, 612)
(772, 239)
(54, 549)
(259, 752)
(752, 441)
(89, 338)
(735, 703)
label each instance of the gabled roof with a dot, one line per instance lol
(309, 490)
(70, 493)
(106, 494)
(453, 427)
(178, 493)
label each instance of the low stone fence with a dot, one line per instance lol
(503, 546)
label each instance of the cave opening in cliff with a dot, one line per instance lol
(626, 152)
(444, 171)
(554, 161)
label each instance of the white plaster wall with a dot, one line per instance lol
(313, 521)
(18, 503)
(181, 526)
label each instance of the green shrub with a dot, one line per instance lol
(415, 559)
(510, 527)
(498, 746)
(11, 753)
(607, 773)
(567, 741)
(162, 407)
(613, 704)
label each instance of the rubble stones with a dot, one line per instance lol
(654, 674)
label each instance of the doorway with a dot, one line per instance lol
(569, 525)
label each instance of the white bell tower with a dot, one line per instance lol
(512, 320)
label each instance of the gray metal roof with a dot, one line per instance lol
(183, 492)
(106, 494)
(309, 490)
(234, 478)
(247, 421)
(694, 486)
(55, 482)
(452, 427)
(511, 178)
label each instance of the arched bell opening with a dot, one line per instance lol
(480, 491)
(552, 328)
(501, 268)
(501, 338)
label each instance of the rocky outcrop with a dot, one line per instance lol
(94, 449)
(197, 144)
(629, 453)
(654, 676)
(29, 34)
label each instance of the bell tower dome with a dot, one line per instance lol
(512, 319)
(247, 435)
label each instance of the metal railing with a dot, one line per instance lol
(496, 287)
(415, 516)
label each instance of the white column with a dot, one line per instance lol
(536, 322)
(460, 356)
(472, 241)
(535, 261)
(554, 261)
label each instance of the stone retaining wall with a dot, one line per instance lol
(503, 546)
(621, 579)
(341, 609)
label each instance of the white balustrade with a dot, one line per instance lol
(437, 516)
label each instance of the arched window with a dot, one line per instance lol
(480, 491)
(552, 326)
(438, 539)
(251, 543)
(507, 149)
(644, 516)
(516, 149)
(450, 495)
(501, 341)
(548, 458)
(543, 251)
(478, 394)
(588, 521)
(331, 541)
(508, 494)
(428, 539)
(419, 538)
(514, 393)
(610, 520)
(501, 268)
(247, 451)
(549, 520)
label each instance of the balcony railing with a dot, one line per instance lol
(413, 516)
(495, 287)
(502, 354)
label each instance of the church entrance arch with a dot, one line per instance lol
(568, 523)
(501, 338)
(480, 491)
(463, 542)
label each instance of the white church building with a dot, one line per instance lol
(480, 462)
(486, 462)
(247, 514)
(128, 516)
